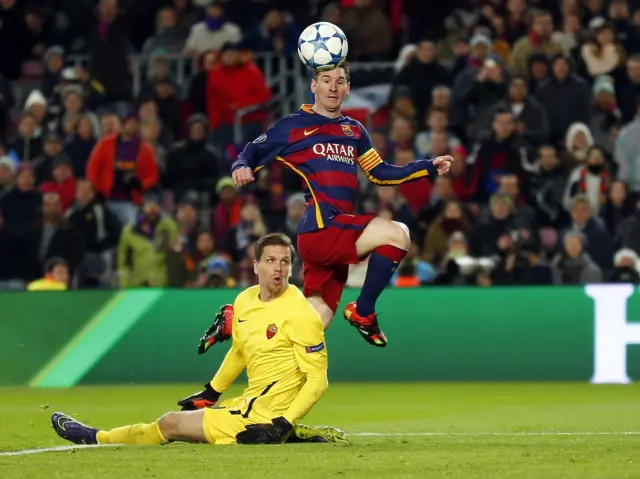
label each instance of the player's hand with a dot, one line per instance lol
(275, 433)
(242, 176)
(443, 164)
(206, 398)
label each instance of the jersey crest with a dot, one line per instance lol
(347, 130)
(272, 329)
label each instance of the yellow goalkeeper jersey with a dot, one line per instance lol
(281, 344)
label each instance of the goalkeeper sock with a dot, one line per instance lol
(146, 434)
(382, 264)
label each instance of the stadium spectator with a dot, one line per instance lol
(193, 165)
(489, 87)
(43, 164)
(122, 167)
(422, 75)
(596, 239)
(143, 247)
(109, 47)
(567, 89)
(618, 207)
(56, 276)
(213, 33)
(80, 145)
(604, 113)
(530, 117)
(51, 237)
(626, 152)
(234, 84)
(13, 27)
(13, 255)
(7, 174)
(21, 205)
(197, 96)
(150, 133)
(509, 184)
(574, 265)
(168, 37)
(451, 220)
(53, 66)
(227, 212)
(538, 40)
(188, 15)
(602, 55)
(63, 182)
(100, 232)
(626, 264)
(591, 180)
(368, 28)
(251, 225)
(628, 90)
(569, 37)
(276, 33)
(547, 188)
(38, 35)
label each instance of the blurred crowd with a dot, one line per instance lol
(106, 185)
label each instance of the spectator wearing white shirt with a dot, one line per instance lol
(213, 33)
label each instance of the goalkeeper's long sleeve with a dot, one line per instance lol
(307, 335)
(229, 370)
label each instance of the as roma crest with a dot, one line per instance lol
(272, 329)
(346, 129)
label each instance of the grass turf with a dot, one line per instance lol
(481, 431)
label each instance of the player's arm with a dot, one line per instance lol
(383, 173)
(306, 333)
(259, 153)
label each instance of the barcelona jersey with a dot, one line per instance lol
(326, 153)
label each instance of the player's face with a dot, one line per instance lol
(274, 268)
(330, 89)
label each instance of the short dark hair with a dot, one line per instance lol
(502, 111)
(273, 239)
(344, 65)
(54, 262)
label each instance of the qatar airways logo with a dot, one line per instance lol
(335, 152)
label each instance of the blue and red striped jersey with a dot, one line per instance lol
(326, 153)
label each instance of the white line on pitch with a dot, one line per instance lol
(548, 433)
(378, 434)
(53, 449)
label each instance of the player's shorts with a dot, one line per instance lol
(327, 254)
(222, 423)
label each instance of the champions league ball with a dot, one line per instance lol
(322, 46)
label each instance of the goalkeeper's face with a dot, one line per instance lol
(330, 89)
(274, 268)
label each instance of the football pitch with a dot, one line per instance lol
(533, 430)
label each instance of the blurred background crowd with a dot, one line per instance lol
(119, 120)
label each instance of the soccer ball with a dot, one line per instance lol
(322, 46)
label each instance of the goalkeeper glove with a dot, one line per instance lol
(275, 433)
(219, 331)
(206, 398)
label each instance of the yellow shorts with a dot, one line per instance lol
(222, 422)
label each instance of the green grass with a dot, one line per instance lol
(464, 414)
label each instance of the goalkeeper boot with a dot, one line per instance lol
(205, 398)
(367, 326)
(302, 433)
(219, 331)
(68, 428)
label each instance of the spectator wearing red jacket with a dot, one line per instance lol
(234, 84)
(122, 167)
(63, 183)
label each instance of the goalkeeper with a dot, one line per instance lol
(279, 338)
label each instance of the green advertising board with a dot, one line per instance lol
(60, 339)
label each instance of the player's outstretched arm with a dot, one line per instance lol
(229, 370)
(259, 153)
(383, 173)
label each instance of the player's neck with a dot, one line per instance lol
(320, 110)
(267, 295)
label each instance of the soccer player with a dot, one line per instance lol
(325, 149)
(279, 338)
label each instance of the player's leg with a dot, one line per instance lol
(323, 287)
(174, 426)
(387, 243)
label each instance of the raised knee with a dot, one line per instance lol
(170, 425)
(400, 236)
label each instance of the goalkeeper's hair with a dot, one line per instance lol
(274, 239)
(344, 65)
